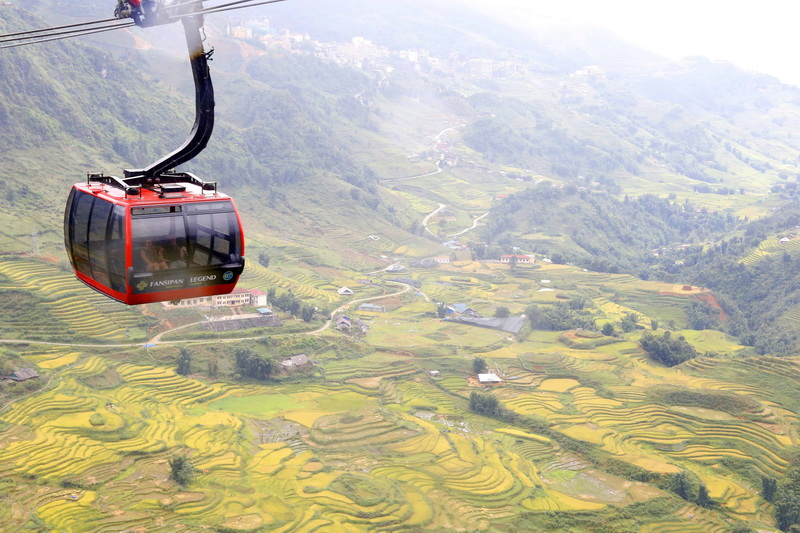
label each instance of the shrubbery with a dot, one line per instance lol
(667, 350)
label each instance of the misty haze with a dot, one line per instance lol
(393, 266)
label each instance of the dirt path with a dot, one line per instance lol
(428, 216)
(474, 225)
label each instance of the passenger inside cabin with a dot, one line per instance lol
(153, 257)
(174, 252)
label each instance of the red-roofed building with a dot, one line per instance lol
(520, 258)
(239, 297)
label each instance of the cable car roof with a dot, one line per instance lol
(190, 193)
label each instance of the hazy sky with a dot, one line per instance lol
(755, 35)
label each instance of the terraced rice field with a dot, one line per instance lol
(422, 206)
(303, 286)
(770, 246)
(74, 308)
(374, 443)
(433, 468)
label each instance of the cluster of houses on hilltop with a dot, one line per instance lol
(363, 54)
(349, 324)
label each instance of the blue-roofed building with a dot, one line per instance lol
(460, 310)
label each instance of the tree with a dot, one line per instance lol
(502, 312)
(181, 470)
(680, 486)
(479, 365)
(307, 312)
(768, 487)
(441, 309)
(184, 361)
(703, 499)
(787, 499)
(213, 367)
(629, 322)
(484, 404)
(558, 317)
(264, 258)
(253, 365)
(667, 350)
(512, 262)
(609, 330)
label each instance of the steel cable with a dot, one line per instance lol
(23, 38)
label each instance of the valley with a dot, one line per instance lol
(461, 273)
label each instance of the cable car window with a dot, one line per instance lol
(67, 233)
(215, 238)
(158, 210)
(80, 232)
(209, 206)
(116, 249)
(156, 240)
(98, 225)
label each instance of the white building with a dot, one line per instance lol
(239, 297)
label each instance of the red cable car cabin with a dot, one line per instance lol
(156, 234)
(167, 242)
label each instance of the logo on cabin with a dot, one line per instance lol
(142, 285)
(227, 276)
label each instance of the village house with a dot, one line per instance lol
(345, 291)
(428, 262)
(489, 378)
(355, 325)
(512, 324)
(520, 258)
(295, 361)
(23, 374)
(445, 215)
(461, 310)
(372, 308)
(454, 245)
(237, 298)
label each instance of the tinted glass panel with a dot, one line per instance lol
(210, 206)
(159, 243)
(158, 210)
(67, 220)
(116, 249)
(80, 232)
(98, 226)
(215, 239)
